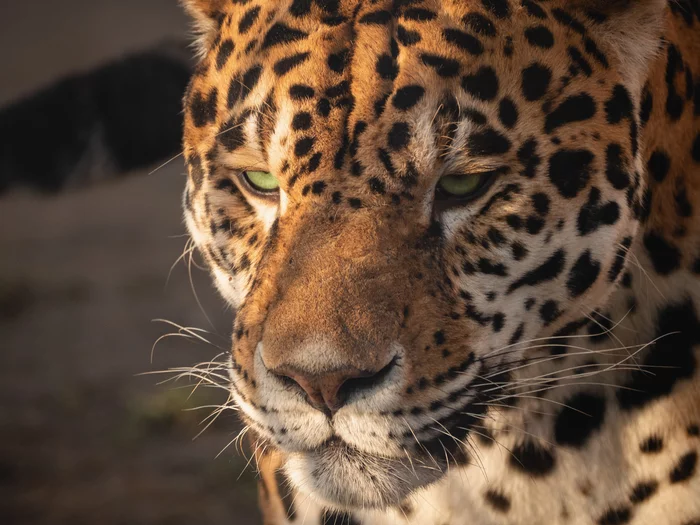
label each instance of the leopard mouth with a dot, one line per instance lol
(343, 477)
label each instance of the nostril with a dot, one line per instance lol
(366, 381)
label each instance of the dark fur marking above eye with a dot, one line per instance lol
(535, 81)
(577, 108)
(488, 142)
(203, 108)
(548, 271)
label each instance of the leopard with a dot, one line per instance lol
(462, 245)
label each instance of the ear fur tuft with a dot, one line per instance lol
(204, 14)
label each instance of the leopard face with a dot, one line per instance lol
(401, 200)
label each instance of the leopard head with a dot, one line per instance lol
(401, 199)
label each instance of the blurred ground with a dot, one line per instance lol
(84, 439)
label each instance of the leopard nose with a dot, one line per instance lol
(329, 392)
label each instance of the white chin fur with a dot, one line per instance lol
(343, 478)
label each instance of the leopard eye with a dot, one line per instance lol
(455, 190)
(460, 185)
(262, 181)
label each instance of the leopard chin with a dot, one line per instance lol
(344, 478)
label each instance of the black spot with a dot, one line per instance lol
(647, 105)
(301, 92)
(231, 136)
(406, 36)
(665, 257)
(528, 157)
(323, 107)
(376, 18)
(567, 20)
(355, 203)
(519, 251)
(643, 491)
(222, 56)
(300, 7)
(248, 19)
(285, 65)
(314, 162)
(338, 61)
(465, 41)
(318, 187)
(620, 259)
(540, 36)
(281, 34)
(533, 9)
(497, 500)
(377, 186)
(570, 171)
(593, 215)
(577, 108)
(683, 206)
(583, 274)
(303, 146)
(619, 106)
(540, 202)
(500, 8)
(419, 15)
(483, 84)
(301, 121)
(534, 225)
(615, 167)
(241, 87)
(535, 81)
(407, 97)
(399, 136)
(508, 113)
(549, 312)
(580, 62)
(445, 67)
(685, 468)
(674, 65)
(548, 271)
(487, 142)
(652, 445)
(616, 516)
(203, 109)
(582, 415)
(671, 357)
(479, 24)
(659, 165)
(696, 149)
(532, 459)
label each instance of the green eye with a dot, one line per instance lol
(262, 180)
(460, 185)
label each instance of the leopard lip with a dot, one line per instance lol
(344, 477)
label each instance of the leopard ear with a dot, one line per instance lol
(206, 15)
(631, 28)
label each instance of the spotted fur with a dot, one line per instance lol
(536, 348)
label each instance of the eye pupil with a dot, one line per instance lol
(262, 181)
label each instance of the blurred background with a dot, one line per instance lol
(84, 437)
